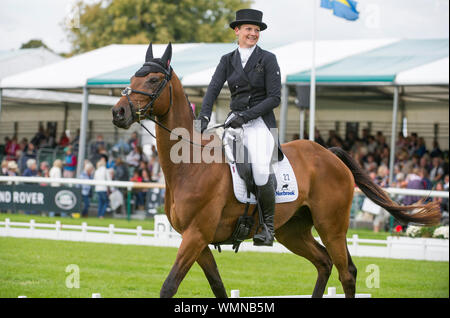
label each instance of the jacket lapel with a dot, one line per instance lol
(254, 58)
(237, 65)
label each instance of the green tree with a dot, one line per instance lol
(141, 21)
(34, 43)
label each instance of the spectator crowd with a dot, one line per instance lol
(415, 166)
(124, 161)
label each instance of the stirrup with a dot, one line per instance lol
(263, 238)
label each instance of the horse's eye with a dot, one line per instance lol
(153, 80)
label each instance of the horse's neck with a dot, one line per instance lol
(181, 117)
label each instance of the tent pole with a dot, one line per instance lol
(302, 123)
(283, 112)
(1, 95)
(312, 95)
(393, 136)
(83, 128)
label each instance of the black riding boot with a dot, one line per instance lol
(266, 199)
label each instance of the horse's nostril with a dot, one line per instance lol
(118, 112)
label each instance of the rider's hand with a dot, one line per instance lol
(203, 123)
(236, 122)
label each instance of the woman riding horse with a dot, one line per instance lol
(199, 200)
(253, 77)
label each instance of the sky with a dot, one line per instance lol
(287, 20)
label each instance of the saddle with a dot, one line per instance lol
(244, 187)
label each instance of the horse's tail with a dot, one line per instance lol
(425, 214)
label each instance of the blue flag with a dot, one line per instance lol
(342, 8)
(327, 4)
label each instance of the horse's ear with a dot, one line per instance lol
(149, 54)
(167, 56)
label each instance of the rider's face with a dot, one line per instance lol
(248, 35)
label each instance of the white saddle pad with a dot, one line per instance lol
(287, 189)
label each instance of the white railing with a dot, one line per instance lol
(164, 235)
(235, 293)
(130, 185)
(74, 181)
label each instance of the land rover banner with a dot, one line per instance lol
(39, 198)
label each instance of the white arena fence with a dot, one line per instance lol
(147, 185)
(164, 235)
(235, 293)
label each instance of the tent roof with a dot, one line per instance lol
(194, 58)
(75, 71)
(338, 61)
(297, 56)
(45, 96)
(382, 64)
(17, 61)
(434, 73)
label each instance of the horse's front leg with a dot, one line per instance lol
(191, 247)
(209, 266)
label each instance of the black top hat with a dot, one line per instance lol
(248, 16)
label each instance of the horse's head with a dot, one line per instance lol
(149, 93)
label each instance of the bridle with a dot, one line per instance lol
(141, 113)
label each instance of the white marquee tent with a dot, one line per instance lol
(197, 62)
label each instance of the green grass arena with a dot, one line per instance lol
(37, 269)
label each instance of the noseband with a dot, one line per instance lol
(141, 113)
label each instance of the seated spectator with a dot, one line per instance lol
(382, 178)
(133, 141)
(421, 148)
(28, 153)
(13, 169)
(370, 165)
(39, 137)
(7, 141)
(23, 144)
(414, 181)
(31, 170)
(436, 172)
(443, 202)
(98, 145)
(436, 151)
(70, 163)
(138, 194)
(64, 140)
(426, 178)
(11, 149)
(120, 170)
(318, 138)
(44, 169)
(135, 156)
(49, 140)
(86, 190)
(56, 172)
(4, 171)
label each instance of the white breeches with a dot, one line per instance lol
(260, 144)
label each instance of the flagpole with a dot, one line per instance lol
(312, 94)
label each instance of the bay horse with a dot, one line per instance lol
(200, 203)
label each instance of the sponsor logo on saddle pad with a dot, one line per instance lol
(286, 191)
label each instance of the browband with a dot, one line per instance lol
(148, 66)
